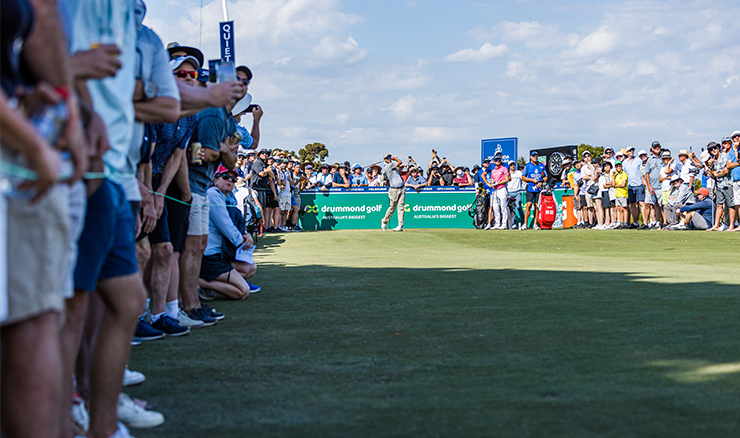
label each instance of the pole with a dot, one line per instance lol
(226, 12)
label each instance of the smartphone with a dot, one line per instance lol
(226, 72)
(213, 70)
(251, 108)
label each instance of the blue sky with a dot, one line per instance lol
(403, 76)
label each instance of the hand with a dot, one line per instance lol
(98, 63)
(276, 196)
(158, 204)
(247, 241)
(225, 93)
(257, 113)
(139, 91)
(149, 220)
(46, 164)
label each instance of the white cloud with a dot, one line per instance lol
(404, 106)
(599, 42)
(341, 118)
(645, 67)
(332, 50)
(487, 51)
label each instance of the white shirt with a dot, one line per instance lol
(516, 184)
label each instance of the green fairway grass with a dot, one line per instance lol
(464, 333)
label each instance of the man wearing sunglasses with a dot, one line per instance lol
(250, 139)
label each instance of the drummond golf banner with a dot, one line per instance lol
(363, 208)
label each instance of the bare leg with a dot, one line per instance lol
(229, 284)
(74, 322)
(32, 386)
(95, 310)
(190, 271)
(123, 298)
(161, 260)
(527, 208)
(246, 270)
(599, 211)
(174, 277)
(718, 218)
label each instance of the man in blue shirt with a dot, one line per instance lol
(534, 174)
(358, 178)
(653, 192)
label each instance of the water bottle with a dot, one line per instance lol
(49, 124)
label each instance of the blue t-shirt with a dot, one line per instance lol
(361, 180)
(170, 136)
(736, 170)
(339, 180)
(214, 126)
(536, 172)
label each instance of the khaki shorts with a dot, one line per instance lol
(38, 240)
(199, 216)
(589, 201)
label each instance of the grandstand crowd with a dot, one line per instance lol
(133, 185)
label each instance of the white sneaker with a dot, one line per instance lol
(487, 227)
(522, 227)
(398, 228)
(121, 432)
(184, 320)
(79, 414)
(131, 378)
(724, 227)
(680, 226)
(135, 416)
(382, 226)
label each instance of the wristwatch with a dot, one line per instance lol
(150, 90)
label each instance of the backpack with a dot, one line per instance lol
(479, 210)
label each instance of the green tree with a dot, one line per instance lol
(521, 162)
(285, 151)
(596, 151)
(316, 153)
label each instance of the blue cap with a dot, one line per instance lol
(203, 75)
(356, 166)
(533, 153)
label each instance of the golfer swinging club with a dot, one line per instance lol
(396, 192)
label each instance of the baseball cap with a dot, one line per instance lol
(735, 134)
(189, 51)
(202, 75)
(630, 148)
(308, 166)
(586, 153)
(177, 62)
(703, 191)
(683, 152)
(487, 160)
(242, 105)
(712, 144)
(666, 154)
(617, 162)
(386, 156)
(726, 139)
(608, 150)
(533, 153)
(241, 154)
(654, 144)
(246, 71)
(264, 151)
(704, 156)
(251, 152)
(642, 152)
(675, 178)
(324, 166)
(222, 169)
(341, 165)
(356, 166)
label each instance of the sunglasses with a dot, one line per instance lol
(245, 81)
(185, 74)
(229, 177)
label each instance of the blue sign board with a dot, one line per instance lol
(506, 146)
(226, 29)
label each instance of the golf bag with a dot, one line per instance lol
(548, 210)
(479, 210)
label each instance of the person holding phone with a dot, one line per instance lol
(534, 174)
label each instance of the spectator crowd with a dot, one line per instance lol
(133, 185)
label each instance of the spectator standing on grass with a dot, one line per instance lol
(621, 180)
(588, 174)
(734, 166)
(534, 175)
(688, 171)
(606, 182)
(396, 191)
(719, 171)
(515, 187)
(646, 208)
(497, 180)
(653, 194)
(666, 173)
(635, 189)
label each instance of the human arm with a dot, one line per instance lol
(195, 99)
(168, 174)
(159, 109)
(255, 133)
(148, 206)
(219, 215)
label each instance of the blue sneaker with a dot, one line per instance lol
(135, 341)
(200, 315)
(170, 326)
(212, 312)
(146, 332)
(253, 289)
